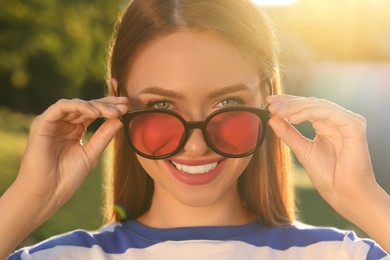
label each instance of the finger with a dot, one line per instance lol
(101, 138)
(109, 110)
(77, 118)
(290, 106)
(346, 124)
(290, 135)
(113, 100)
(111, 107)
(69, 110)
(287, 106)
(62, 108)
(318, 110)
(83, 120)
(108, 107)
(282, 98)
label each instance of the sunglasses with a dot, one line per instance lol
(231, 132)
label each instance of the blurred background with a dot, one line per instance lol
(52, 49)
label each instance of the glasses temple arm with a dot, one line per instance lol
(269, 83)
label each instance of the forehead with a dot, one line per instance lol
(186, 61)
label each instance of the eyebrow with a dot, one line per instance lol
(174, 94)
(162, 92)
(228, 89)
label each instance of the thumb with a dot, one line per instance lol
(290, 135)
(101, 138)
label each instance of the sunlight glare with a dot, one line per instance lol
(274, 2)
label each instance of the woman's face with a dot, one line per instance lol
(193, 74)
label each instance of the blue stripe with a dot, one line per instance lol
(15, 256)
(135, 235)
(117, 241)
(375, 252)
(279, 238)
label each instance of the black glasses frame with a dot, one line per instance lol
(263, 115)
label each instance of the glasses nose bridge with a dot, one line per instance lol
(192, 125)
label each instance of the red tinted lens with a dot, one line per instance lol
(235, 132)
(156, 134)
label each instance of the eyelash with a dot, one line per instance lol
(239, 101)
(153, 103)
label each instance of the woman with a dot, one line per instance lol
(194, 166)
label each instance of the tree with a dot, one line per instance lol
(50, 49)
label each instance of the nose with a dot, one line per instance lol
(196, 145)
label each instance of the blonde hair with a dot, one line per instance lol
(265, 185)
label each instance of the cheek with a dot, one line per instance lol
(240, 164)
(150, 166)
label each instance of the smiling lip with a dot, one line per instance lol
(196, 178)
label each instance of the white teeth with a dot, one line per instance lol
(198, 169)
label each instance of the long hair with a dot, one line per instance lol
(265, 185)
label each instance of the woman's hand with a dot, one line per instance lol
(55, 163)
(337, 160)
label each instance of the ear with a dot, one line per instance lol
(114, 87)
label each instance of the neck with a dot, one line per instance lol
(166, 211)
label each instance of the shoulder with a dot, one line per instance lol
(303, 234)
(78, 242)
(321, 239)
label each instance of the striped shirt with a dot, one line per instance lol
(133, 240)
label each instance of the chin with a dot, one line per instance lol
(205, 196)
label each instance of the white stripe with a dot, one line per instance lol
(211, 250)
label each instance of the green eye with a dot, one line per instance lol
(162, 105)
(230, 102)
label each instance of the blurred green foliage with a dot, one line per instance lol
(52, 49)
